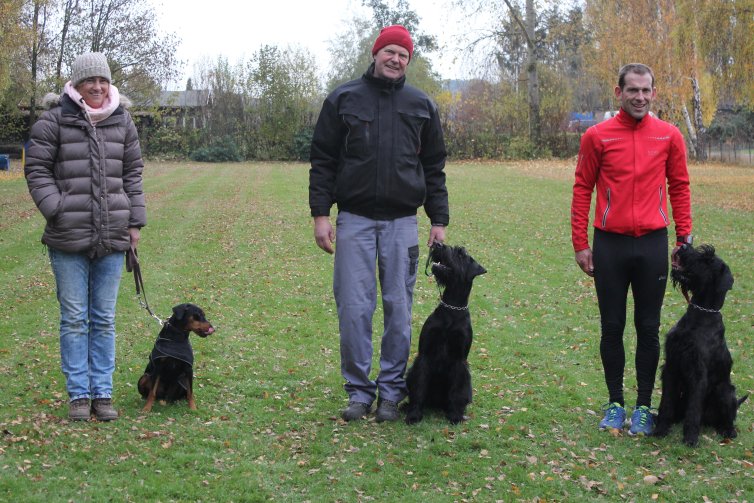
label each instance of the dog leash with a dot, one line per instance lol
(132, 265)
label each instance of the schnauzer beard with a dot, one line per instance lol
(702, 273)
(453, 264)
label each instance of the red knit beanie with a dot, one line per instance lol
(395, 34)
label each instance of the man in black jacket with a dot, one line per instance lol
(378, 153)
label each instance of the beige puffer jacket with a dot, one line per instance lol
(86, 180)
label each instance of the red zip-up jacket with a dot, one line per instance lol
(631, 163)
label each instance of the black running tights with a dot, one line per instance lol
(642, 263)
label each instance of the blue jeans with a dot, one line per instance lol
(87, 290)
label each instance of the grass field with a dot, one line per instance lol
(236, 239)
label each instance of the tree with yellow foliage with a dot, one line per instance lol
(702, 52)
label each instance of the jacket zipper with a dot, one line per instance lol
(607, 209)
(662, 213)
(103, 183)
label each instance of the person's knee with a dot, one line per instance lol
(612, 330)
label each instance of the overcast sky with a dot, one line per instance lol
(236, 29)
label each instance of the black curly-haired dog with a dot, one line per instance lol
(439, 377)
(170, 372)
(696, 385)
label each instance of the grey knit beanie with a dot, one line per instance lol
(90, 64)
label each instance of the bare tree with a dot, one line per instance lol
(70, 9)
(141, 57)
(38, 19)
(532, 81)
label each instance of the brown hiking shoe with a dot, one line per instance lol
(78, 410)
(103, 409)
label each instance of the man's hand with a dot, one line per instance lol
(584, 259)
(436, 234)
(324, 234)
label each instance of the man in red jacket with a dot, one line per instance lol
(635, 161)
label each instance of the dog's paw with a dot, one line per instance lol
(728, 432)
(413, 417)
(691, 441)
(661, 431)
(455, 418)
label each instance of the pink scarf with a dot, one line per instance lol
(112, 101)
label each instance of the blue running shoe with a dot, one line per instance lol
(642, 421)
(615, 416)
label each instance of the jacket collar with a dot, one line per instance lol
(71, 112)
(388, 85)
(624, 118)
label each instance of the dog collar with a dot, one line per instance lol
(455, 308)
(704, 308)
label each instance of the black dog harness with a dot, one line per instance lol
(167, 348)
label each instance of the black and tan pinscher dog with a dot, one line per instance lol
(696, 384)
(170, 372)
(439, 377)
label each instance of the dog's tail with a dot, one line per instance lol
(742, 400)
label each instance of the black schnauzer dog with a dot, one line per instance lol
(439, 377)
(170, 372)
(696, 386)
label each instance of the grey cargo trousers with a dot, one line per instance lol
(362, 246)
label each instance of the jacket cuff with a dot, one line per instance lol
(320, 212)
(443, 220)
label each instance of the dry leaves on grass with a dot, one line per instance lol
(723, 186)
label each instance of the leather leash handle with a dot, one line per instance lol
(132, 265)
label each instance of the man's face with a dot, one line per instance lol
(390, 62)
(637, 94)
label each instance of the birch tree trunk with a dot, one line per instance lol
(692, 131)
(701, 130)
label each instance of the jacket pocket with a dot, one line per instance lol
(413, 265)
(359, 126)
(60, 209)
(412, 125)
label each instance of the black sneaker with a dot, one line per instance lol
(355, 411)
(78, 410)
(387, 410)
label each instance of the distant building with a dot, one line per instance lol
(180, 109)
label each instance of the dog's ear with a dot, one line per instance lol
(726, 280)
(179, 311)
(475, 270)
